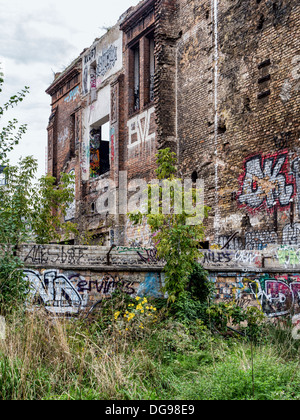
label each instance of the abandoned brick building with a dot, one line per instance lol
(218, 82)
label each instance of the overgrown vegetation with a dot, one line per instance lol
(111, 357)
(185, 348)
(30, 210)
(177, 238)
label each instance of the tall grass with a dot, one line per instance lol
(46, 358)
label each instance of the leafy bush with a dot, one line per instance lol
(13, 287)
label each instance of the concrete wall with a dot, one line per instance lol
(69, 279)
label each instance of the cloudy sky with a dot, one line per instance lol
(38, 39)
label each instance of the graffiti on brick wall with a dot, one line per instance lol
(71, 210)
(72, 95)
(54, 290)
(292, 84)
(107, 60)
(107, 285)
(253, 240)
(151, 286)
(288, 256)
(276, 296)
(216, 257)
(235, 244)
(141, 133)
(138, 236)
(266, 182)
(296, 171)
(291, 234)
(68, 292)
(259, 240)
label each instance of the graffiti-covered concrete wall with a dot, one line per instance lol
(268, 279)
(70, 279)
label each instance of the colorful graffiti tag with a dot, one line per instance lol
(266, 182)
(276, 296)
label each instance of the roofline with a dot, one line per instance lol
(136, 15)
(71, 71)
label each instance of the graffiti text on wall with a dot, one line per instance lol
(140, 133)
(39, 254)
(277, 296)
(54, 291)
(72, 95)
(266, 182)
(107, 285)
(107, 60)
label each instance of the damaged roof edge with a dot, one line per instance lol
(60, 78)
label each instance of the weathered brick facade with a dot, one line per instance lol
(64, 128)
(222, 92)
(233, 70)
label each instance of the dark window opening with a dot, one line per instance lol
(151, 68)
(264, 94)
(136, 78)
(204, 245)
(99, 151)
(264, 79)
(222, 127)
(261, 23)
(194, 177)
(265, 63)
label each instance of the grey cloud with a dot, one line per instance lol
(26, 46)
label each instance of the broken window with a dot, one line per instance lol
(99, 150)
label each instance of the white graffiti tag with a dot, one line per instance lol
(54, 290)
